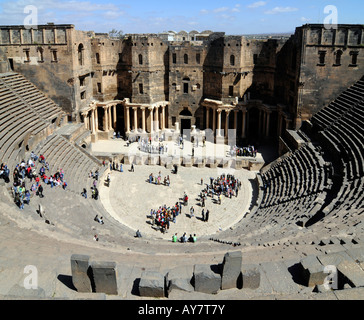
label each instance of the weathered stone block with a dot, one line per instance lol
(250, 277)
(231, 269)
(105, 277)
(180, 278)
(312, 271)
(350, 272)
(187, 162)
(206, 280)
(80, 267)
(151, 284)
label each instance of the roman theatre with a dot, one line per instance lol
(90, 117)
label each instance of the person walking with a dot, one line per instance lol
(207, 216)
(192, 211)
(40, 191)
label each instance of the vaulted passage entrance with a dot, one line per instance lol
(186, 117)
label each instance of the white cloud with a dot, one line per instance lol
(303, 19)
(277, 10)
(257, 4)
(222, 9)
(12, 12)
(204, 11)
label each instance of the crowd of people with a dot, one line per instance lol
(147, 146)
(163, 216)
(157, 179)
(4, 173)
(248, 151)
(224, 185)
(27, 169)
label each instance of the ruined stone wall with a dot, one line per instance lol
(186, 80)
(44, 56)
(149, 65)
(324, 74)
(82, 70)
(105, 60)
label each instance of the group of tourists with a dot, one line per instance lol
(114, 166)
(184, 238)
(24, 169)
(157, 179)
(248, 151)
(148, 147)
(163, 216)
(224, 185)
(4, 173)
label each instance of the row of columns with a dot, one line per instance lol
(217, 112)
(157, 118)
(264, 121)
(91, 118)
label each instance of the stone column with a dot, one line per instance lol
(207, 117)
(143, 118)
(106, 119)
(163, 118)
(243, 125)
(96, 120)
(151, 119)
(156, 120)
(218, 122)
(85, 120)
(214, 121)
(93, 121)
(236, 118)
(135, 119)
(280, 119)
(267, 123)
(114, 116)
(127, 120)
(227, 113)
(110, 126)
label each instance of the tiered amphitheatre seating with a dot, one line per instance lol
(342, 137)
(344, 103)
(294, 183)
(62, 154)
(17, 119)
(32, 96)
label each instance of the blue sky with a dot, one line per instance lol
(145, 16)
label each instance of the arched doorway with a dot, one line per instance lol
(186, 117)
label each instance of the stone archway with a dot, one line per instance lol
(185, 117)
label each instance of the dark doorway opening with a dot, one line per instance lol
(11, 64)
(185, 124)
